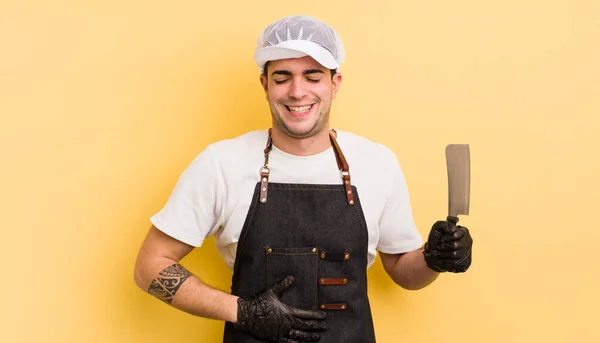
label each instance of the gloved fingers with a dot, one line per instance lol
(461, 244)
(457, 266)
(467, 234)
(435, 234)
(312, 325)
(458, 234)
(450, 228)
(450, 255)
(454, 250)
(304, 336)
(450, 246)
(282, 285)
(439, 226)
(463, 264)
(306, 314)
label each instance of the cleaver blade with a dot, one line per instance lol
(458, 163)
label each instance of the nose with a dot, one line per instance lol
(297, 90)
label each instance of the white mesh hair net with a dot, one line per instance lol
(297, 36)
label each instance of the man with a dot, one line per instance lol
(296, 226)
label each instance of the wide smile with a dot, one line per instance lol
(299, 111)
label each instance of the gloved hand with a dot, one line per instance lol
(266, 317)
(448, 248)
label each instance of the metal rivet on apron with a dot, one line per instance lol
(343, 307)
(322, 307)
(346, 256)
(264, 189)
(314, 249)
(349, 192)
(263, 200)
(322, 255)
(347, 182)
(264, 179)
(345, 281)
(269, 250)
(321, 281)
(351, 202)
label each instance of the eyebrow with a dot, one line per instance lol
(289, 73)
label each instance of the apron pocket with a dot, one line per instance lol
(303, 265)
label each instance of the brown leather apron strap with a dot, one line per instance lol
(264, 171)
(343, 166)
(339, 157)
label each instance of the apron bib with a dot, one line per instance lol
(316, 233)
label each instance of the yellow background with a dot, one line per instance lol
(104, 103)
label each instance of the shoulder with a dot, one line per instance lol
(364, 149)
(231, 156)
(246, 142)
(231, 149)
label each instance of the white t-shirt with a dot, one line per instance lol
(213, 194)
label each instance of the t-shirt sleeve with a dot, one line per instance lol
(194, 210)
(397, 229)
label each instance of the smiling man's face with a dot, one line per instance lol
(300, 92)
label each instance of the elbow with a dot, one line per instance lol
(137, 278)
(138, 275)
(412, 286)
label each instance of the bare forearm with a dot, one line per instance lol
(170, 282)
(410, 271)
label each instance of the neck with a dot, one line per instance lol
(301, 146)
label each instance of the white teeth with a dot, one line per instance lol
(300, 109)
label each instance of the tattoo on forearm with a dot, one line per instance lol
(168, 282)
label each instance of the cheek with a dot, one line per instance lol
(276, 92)
(324, 93)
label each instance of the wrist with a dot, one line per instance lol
(232, 313)
(430, 261)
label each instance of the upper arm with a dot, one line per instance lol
(157, 244)
(397, 230)
(195, 207)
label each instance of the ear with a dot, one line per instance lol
(265, 83)
(336, 81)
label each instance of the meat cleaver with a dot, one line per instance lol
(458, 162)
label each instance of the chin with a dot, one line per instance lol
(302, 131)
(299, 127)
(299, 133)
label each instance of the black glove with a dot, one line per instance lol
(448, 248)
(266, 317)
